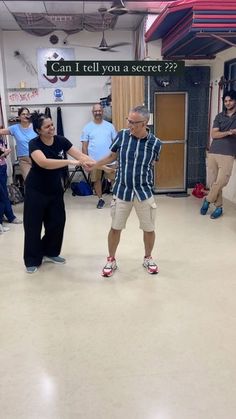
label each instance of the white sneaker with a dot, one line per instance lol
(110, 267)
(3, 229)
(150, 265)
(17, 221)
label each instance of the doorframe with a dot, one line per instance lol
(175, 190)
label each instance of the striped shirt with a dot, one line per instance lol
(134, 175)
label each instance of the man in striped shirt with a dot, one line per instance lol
(136, 151)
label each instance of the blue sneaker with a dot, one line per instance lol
(218, 212)
(55, 259)
(204, 207)
(101, 203)
(31, 269)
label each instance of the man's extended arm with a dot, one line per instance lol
(100, 164)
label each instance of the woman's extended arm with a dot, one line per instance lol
(51, 164)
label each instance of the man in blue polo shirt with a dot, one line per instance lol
(136, 151)
(96, 139)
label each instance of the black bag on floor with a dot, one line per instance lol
(81, 188)
(14, 194)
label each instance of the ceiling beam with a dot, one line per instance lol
(223, 40)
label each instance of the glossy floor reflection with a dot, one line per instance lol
(77, 346)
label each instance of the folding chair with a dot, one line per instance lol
(70, 178)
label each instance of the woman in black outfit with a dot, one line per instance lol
(44, 203)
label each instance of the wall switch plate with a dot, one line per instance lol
(150, 122)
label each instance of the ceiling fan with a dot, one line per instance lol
(103, 46)
(118, 8)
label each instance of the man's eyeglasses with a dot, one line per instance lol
(134, 122)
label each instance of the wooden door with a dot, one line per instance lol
(170, 126)
(127, 92)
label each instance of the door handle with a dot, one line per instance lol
(173, 142)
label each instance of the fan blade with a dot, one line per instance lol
(120, 44)
(107, 49)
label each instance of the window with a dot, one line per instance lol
(230, 74)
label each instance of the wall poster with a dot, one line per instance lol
(54, 54)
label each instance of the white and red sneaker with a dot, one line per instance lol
(110, 267)
(150, 265)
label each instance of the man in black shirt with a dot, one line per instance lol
(222, 154)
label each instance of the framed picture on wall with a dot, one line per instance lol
(54, 54)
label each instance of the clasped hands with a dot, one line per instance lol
(87, 163)
(90, 164)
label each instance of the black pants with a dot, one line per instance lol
(39, 210)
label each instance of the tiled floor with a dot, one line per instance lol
(77, 346)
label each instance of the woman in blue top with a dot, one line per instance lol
(23, 132)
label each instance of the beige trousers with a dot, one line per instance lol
(219, 171)
(145, 210)
(25, 165)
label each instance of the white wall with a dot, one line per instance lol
(77, 103)
(3, 96)
(154, 50)
(2, 79)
